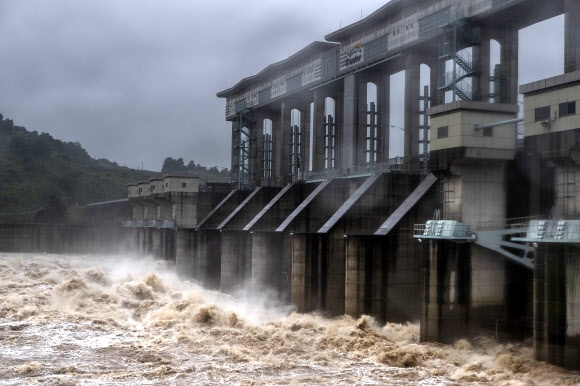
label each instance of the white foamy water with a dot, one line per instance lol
(127, 320)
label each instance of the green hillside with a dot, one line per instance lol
(36, 169)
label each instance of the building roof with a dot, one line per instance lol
(180, 175)
(272, 69)
(374, 18)
(542, 85)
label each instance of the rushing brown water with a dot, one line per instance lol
(112, 320)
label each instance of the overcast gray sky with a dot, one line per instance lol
(134, 81)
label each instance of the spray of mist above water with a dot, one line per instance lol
(132, 320)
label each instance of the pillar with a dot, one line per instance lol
(482, 53)
(384, 108)
(235, 260)
(445, 314)
(333, 267)
(184, 258)
(207, 252)
(550, 304)
(155, 242)
(354, 302)
(572, 36)
(301, 276)
(360, 142)
(412, 83)
(318, 131)
(268, 272)
(509, 64)
(349, 123)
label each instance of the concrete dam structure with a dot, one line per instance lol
(475, 228)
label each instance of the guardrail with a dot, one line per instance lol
(397, 164)
(442, 229)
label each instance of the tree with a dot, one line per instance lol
(54, 211)
(172, 165)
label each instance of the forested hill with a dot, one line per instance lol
(36, 168)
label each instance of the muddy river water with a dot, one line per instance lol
(129, 320)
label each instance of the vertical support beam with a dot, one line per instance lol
(281, 130)
(155, 242)
(318, 137)
(301, 294)
(550, 304)
(437, 72)
(572, 36)
(234, 169)
(509, 65)
(354, 301)
(384, 108)
(334, 272)
(235, 260)
(184, 257)
(412, 83)
(257, 164)
(361, 130)
(267, 265)
(349, 123)
(307, 117)
(207, 249)
(482, 53)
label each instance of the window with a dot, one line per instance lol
(443, 132)
(568, 108)
(153, 187)
(183, 184)
(542, 113)
(166, 184)
(488, 132)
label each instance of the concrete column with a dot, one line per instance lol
(360, 144)
(184, 257)
(334, 251)
(572, 36)
(412, 83)
(445, 314)
(207, 251)
(354, 302)
(384, 108)
(349, 123)
(155, 242)
(318, 131)
(483, 54)
(267, 265)
(509, 65)
(301, 273)
(236, 267)
(258, 166)
(437, 73)
(282, 143)
(305, 128)
(550, 305)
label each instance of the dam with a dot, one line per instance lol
(474, 229)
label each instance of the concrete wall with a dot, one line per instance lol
(50, 238)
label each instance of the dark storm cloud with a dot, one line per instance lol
(135, 81)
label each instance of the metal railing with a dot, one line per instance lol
(442, 229)
(397, 164)
(511, 223)
(555, 230)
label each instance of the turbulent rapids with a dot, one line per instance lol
(87, 319)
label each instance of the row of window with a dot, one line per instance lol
(152, 188)
(443, 132)
(564, 109)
